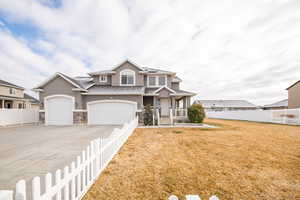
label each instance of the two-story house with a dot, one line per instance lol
(110, 96)
(13, 96)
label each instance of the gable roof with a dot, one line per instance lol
(151, 92)
(142, 69)
(282, 103)
(31, 99)
(127, 61)
(164, 87)
(74, 82)
(293, 85)
(226, 103)
(5, 83)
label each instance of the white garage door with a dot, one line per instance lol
(111, 112)
(59, 110)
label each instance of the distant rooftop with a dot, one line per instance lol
(282, 103)
(5, 83)
(226, 103)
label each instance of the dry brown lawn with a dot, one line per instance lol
(239, 160)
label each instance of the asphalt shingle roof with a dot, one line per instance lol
(97, 89)
(31, 99)
(2, 82)
(281, 103)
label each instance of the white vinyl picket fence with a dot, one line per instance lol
(75, 180)
(286, 116)
(18, 116)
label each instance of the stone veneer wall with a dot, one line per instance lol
(42, 117)
(80, 117)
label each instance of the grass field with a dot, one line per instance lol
(239, 160)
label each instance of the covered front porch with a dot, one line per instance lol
(11, 102)
(168, 108)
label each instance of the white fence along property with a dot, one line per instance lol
(18, 116)
(73, 181)
(286, 116)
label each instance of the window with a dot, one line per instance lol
(152, 80)
(102, 78)
(12, 91)
(127, 77)
(157, 81)
(161, 80)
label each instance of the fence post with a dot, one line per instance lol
(6, 195)
(73, 190)
(84, 171)
(192, 197)
(92, 160)
(58, 184)
(101, 152)
(97, 143)
(48, 184)
(66, 177)
(88, 165)
(20, 190)
(36, 188)
(213, 198)
(78, 176)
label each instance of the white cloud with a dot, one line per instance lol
(222, 49)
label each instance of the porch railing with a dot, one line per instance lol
(180, 112)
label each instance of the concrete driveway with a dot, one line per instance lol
(29, 151)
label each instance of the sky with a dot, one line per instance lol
(222, 49)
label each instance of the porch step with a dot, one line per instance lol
(165, 121)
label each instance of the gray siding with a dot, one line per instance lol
(169, 81)
(164, 93)
(96, 80)
(60, 86)
(139, 78)
(294, 96)
(175, 86)
(89, 98)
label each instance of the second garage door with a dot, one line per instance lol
(59, 110)
(111, 112)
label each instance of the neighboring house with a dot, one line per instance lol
(294, 95)
(221, 105)
(13, 96)
(283, 104)
(110, 96)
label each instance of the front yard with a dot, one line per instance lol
(239, 160)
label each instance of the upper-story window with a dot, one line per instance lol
(127, 77)
(161, 80)
(12, 91)
(152, 81)
(157, 81)
(102, 78)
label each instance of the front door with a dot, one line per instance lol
(165, 106)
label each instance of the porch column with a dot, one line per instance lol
(173, 103)
(184, 102)
(188, 101)
(154, 102)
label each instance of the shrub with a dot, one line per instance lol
(148, 116)
(196, 113)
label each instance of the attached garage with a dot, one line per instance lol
(59, 110)
(111, 112)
